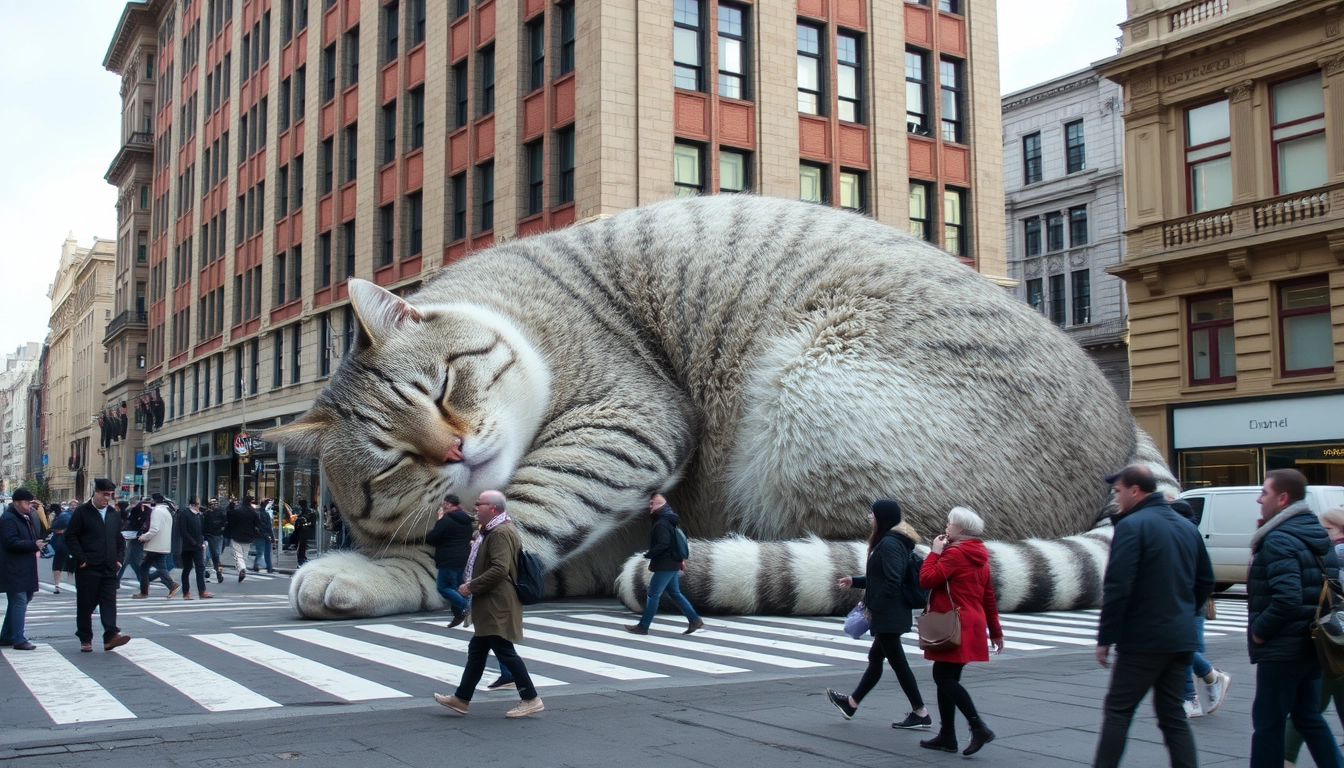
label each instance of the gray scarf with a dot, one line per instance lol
(1296, 508)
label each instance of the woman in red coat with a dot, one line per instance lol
(956, 573)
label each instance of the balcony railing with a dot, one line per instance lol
(121, 321)
(140, 139)
(1197, 13)
(1277, 214)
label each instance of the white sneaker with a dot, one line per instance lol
(1192, 708)
(526, 707)
(1217, 690)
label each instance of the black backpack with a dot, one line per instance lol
(681, 548)
(915, 596)
(531, 583)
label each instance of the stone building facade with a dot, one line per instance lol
(15, 379)
(1065, 211)
(1234, 261)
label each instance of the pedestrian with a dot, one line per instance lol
(97, 545)
(1216, 682)
(1291, 556)
(158, 541)
(265, 536)
(890, 568)
(497, 614)
(302, 522)
(190, 529)
(1332, 688)
(956, 574)
(135, 522)
(212, 527)
(451, 539)
(242, 529)
(666, 564)
(62, 562)
(1157, 577)
(20, 544)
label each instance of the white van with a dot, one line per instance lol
(1228, 516)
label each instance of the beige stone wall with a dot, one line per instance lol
(986, 138)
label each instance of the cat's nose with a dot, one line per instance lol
(454, 452)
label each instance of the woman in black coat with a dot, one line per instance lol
(891, 546)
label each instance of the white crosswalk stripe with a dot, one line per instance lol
(581, 650)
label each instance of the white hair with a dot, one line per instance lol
(966, 519)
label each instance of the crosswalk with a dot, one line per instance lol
(576, 649)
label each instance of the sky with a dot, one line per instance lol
(60, 114)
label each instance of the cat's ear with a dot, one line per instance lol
(300, 435)
(380, 312)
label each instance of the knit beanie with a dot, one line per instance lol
(887, 513)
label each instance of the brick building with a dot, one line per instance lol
(299, 143)
(1234, 180)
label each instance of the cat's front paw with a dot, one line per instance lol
(346, 585)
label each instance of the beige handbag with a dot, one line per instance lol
(939, 632)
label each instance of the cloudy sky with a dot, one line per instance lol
(60, 114)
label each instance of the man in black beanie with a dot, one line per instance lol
(94, 541)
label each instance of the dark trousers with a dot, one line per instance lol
(952, 696)
(154, 567)
(887, 648)
(193, 558)
(1285, 689)
(1132, 675)
(303, 549)
(95, 587)
(478, 651)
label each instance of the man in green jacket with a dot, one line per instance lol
(496, 612)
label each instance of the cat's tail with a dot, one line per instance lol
(736, 575)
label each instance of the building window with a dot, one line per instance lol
(536, 177)
(565, 140)
(324, 253)
(415, 112)
(391, 31)
(1082, 297)
(387, 227)
(1031, 158)
(687, 170)
(351, 152)
(809, 70)
(324, 342)
(300, 95)
(254, 377)
(849, 85)
(487, 64)
(1036, 294)
(348, 331)
(281, 275)
(1299, 134)
(1058, 311)
(566, 38)
(733, 171)
(348, 235)
(1208, 156)
(459, 206)
(1075, 147)
(487, 192)
(415, 25)
(1304, 327)
(351, 47)
(1054, 231)
(389, 133)
(282, 199)
(916, 92)
(295, 348)
(536, 52)
(686, 64)
(921, 212)
(461, 92)
(328, 164)
(1077, 226)
(278, 363)
(329, 73)
(238, 373)
(949, 82)
(949, 6)
(851, 190)
(1031, 236)
(1213, 355)
(954, 221)
(812, 186)
(415, 215)
(732, 52)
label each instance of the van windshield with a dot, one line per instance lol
(1331, 498)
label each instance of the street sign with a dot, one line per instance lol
(142, 460)
(44, 459)
(242, 444)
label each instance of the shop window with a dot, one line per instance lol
(1208, 157)
(1305, 333)
(686, 56)
(921, 212)
(812, 186)
(1219, 467)
(733, 170)
(1299, 134)
(1211, 339)
(687, 170)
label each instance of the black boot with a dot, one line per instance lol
(980, 736)
(945, 741)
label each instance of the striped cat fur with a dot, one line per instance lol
(772, 366)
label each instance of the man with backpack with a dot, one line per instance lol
(667, 556)
(496, 610)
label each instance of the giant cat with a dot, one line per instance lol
(771, 366)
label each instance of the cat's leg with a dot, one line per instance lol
(343, 585)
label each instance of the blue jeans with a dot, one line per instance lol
(1285, 689)
(154, 567)
(263, 550)
(1199, 665)
(15, 614)
(449, 580)
(670, 582)
(215, 544)
(135, 552)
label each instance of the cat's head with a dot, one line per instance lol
(433, 399)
